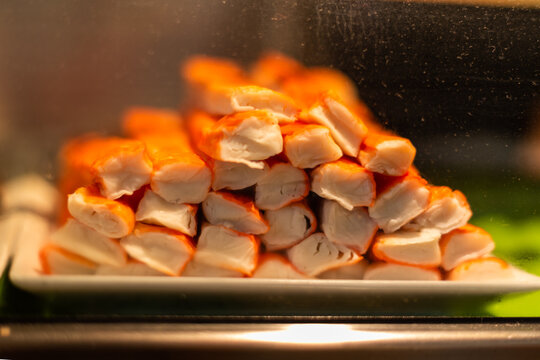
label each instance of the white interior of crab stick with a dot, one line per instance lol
(132, 268)
(483, 269)
(311, 147)
(464, 244)
(391, 156)
(388, 271)
(225, 209)
(225, 248)
(197, 269)
(86, 242)
(288, 226)
(58, 261)
(353, 228)
(317, 254)
(274, 266)
(347, 272)
(155, 210)
(282, 185)
(235, 176)
(182, 183)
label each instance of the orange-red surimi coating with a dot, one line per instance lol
(467, 229)
(461, 270)
(145, 228)
(272, 68)
(142, 121)
(203, 70)
(167, 150)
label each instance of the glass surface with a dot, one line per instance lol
(460, 80)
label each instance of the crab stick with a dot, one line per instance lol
(288, 226)
(390, 271)
(119, 166)
(483, 269)
(317, 254)
(225, 248)
(197, 269)
(244, 138)
(234, 211)
(273, 68)
(29, 192)
(86, 242)
(162, 249)
(347, 129)
(399, 200)
(132, 268)
(466, 243)
(235, 176)
(58, 261)
(200, 70)
(110, 218)
(155, 210)
(309, 145)
(179, 174)
(275, 266)
(344, 181)
(347, 272)
(139, 122)
(387, 154)
(352, 228)
(447, 210)
(282, 185)
(417, 248)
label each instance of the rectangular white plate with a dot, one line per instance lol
(25, 274)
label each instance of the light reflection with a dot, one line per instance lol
(317, 334)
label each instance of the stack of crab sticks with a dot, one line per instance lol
(276, 172)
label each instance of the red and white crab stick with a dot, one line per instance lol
(387, 154)
(139, 122)
(282, 185)
(234, 176)
(272, 68)
(487, 268)
(391, 271)
(58, 261)
(275, 266)
(347, 272)
(132, 268)
(466, 243)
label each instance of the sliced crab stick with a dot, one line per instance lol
(352, 228)
(347, 129)
(483, 269)
(226, 248)
(132, 268)
(235, 176)
(58, 261)
(197, 269)
(417, 248)
(155, 210)
(234, 211)
(29, 192)
(84, 241)
(245, 138)
(164, 250)
(399, 200)
(119, 166)
(200, 70)
(317, 254)
(110, 218)
(309, 145)
(275, 266)
(139, 122)
(466, 243)
(283, 184)
(347, 272)
(389, 271)
(344, 181)
(387, 154)
(272, 68)
(180, 175)
(447, 210)
(288, 226)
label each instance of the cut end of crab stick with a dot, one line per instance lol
(352, 228)
(141, 121)
(58, 261)
(272, 68)
(84, 241)
(347, 272)
(274, 266)
(466, 243)
(132, 268)
(417, 248)
(111, 218)
(226, 248)
(447, 210)
(234, 211)
(399, 202)
(309, 145)
(164, 250)
(387, 154)
(344, 181)
(346, 128)
(197, 269)
(29, 192)
(235, 176)
(389, 271)
(317, 254)
(155, 210)
(246, 137)
(483, 269)
(288, 226)
(282, 185)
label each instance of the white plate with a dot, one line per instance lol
(26, 275)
